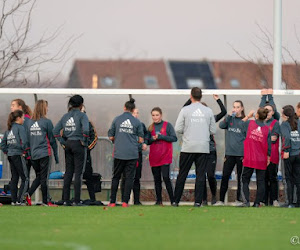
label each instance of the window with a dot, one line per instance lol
(151, 82)
(109, 82)
(235, 83)
(195, 82)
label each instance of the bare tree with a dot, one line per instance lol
(22, 60)
(262, 58)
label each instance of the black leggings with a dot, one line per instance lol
(271, 193)
(292, 177)
(164, 172)
(42, 169)
(229, 164)
(18, 170)
(260, 182)
(75, 155)
(211, 168)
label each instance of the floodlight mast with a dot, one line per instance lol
(277, 50)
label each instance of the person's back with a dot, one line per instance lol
(126, 129)
(196, 122)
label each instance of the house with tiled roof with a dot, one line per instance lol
(247, 75)
(127, 74)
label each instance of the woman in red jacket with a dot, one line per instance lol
(161, 135)
(257, 151)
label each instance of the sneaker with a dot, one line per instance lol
(28, 200)
(174, 204)
(204, 203)
(13, 203)
(197, 205)
(111, 204)
(291, 206)
(50, 204)
(20, 204)
(246, 204)
(124, 204)
(78, 204)
(138, 203)
(59, 203)
(99, 203)
(219, 204)
(158, 203)
(213, 200)
(276, 203)
(256, 205)
(238, 203)
(67, 203)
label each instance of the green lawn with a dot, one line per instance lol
(148, 227)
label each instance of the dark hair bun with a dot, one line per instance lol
(132, 100)
(75, 101)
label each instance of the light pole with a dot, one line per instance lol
(277, 24)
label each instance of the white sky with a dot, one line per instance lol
(169, 29)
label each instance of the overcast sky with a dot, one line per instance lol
(169, 29)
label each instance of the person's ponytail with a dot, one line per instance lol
(129, 105)
(289, 112)
(12, 117)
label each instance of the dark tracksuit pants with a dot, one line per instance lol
(42, 170)
(211, 168)
(260, 182)
(88, 176)
(75, 155)
(185, 163)
(271, 189)
(127, 168)
(136, 183)
(28, 165)
(18, 170)
(164, 172)
(292, 177)
(229, 163)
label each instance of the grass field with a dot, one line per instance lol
(148, 227)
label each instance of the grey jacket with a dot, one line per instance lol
(126, 129)
(196, 123)
(15, 141)
(40, 138)
(75, 125)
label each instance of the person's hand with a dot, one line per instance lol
(154, 137)
(144, 147)
(264, 92)
(216, 97)
(268, 161)
(274, 138)
(286, 155)
(270, 91)
(251, 114)
(112, 138)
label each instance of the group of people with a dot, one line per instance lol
(251, 143)
(28, 142)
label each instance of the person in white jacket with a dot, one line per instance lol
(196, 123)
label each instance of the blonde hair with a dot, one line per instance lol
(40, 110)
